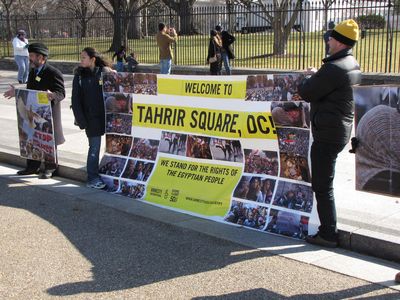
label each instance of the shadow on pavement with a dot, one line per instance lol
(125, 251)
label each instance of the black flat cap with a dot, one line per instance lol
(38, 48)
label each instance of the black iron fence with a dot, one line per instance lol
(267, 37)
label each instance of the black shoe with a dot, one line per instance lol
(28, 172)
(318, 240)
(46, 174)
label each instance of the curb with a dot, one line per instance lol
(350, 238)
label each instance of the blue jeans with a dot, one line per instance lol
(165, 65)
(227, 66)
(23, 68)
(120, 66)
(323, 162)
(92, 164)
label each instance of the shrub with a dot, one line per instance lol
(371, 21)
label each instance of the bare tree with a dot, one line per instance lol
(281, 15)
(83, 10)
(7, 7)
(184, 8)
(122, 11)
(326, 5)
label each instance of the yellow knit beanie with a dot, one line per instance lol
(346, 32)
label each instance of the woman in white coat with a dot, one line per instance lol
(21, 55)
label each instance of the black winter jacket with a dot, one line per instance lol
(87, 101)
(331, 96)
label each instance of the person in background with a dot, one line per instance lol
(165, 38)
(21, 55)
(326, 36)
(329, 90)
(88, 108)
(132, 62)
(121, 56)
(214, 53)
(44, 77)
(226, 49)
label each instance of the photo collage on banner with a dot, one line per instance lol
(274, 193)
(35, 125)
(231, 148)
(377, 150)
(128, 161)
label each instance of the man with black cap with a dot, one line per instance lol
(44, 77)
(329, 90)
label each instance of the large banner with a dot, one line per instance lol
(234, 149)
(377, 121)
(35, 125)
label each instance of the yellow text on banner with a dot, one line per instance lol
(200, 188)
(201, 88)
(221, 123)
(42, 98)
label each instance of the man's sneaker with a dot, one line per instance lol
(96, 185)
(46, 174)
(318, 240)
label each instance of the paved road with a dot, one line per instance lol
(54, 243)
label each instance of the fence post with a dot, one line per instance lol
(389, 41)
(77, 36)
(3, 52)
(301, 42)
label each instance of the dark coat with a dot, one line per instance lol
(214, 50)
(227, 41)
(50, 78)
(87, 101)
(331, 96)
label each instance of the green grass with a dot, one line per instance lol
(251, 50)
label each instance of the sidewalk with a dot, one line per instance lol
(368, 223)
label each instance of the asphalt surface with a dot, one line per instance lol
(57, 241)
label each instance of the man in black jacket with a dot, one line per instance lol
(329, 90)
(226, 50)
(44, 77)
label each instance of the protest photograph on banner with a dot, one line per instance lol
(145, 83)
(118, 103)
(259, 87)
(174, 143)
(119, 123)
(144, 148)
(287, 223)
(293, 196)
(291, 114)
(247, 214)
(186, 143)
(118, 144)
(131, 189)
(261, 162)
(35, 125)
(230, 150)
(377, 144)
(112, 165)
(255, 188)
(285, 87)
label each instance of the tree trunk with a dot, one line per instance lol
(117, 36)
(186, 18)
(8, 25)
(134, 30)
(280, 41)
(83, 28)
